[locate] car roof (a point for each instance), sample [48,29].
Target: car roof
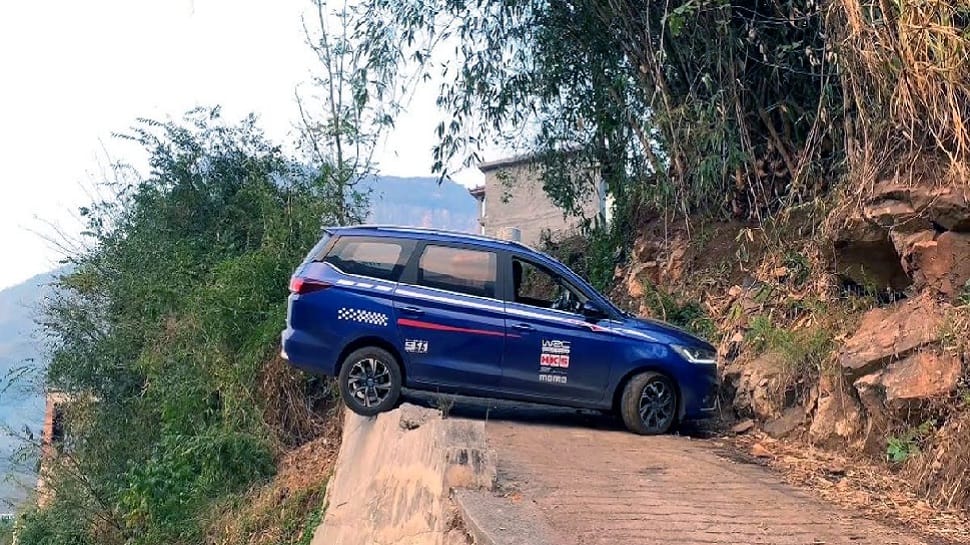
[422,233]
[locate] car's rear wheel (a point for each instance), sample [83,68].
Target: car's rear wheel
[649,404]
[370,381]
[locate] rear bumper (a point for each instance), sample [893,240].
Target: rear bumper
[305,352]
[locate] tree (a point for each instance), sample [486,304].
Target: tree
[356,103]
[164,329]
[716,106]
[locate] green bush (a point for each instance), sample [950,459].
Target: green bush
[162,331]
[801,351]
[6,532]
[900,448]
[689,315]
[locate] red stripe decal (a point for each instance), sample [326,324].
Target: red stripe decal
[441,327]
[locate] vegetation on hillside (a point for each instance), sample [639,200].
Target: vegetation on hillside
[719,107]
[781,117]
[164,333]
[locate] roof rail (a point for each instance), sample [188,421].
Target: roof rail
[432,231]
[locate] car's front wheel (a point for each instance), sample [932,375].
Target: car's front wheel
[649,404]
[370,381]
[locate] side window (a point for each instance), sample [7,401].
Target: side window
[376,258]
[472,272]
[536,286]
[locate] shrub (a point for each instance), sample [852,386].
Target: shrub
[802,351]
[162,334]
[900,448]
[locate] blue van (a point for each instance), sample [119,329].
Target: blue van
[384,308]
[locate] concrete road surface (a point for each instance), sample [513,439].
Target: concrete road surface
[595,483]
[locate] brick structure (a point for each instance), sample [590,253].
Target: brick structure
[513,198]
[53,437]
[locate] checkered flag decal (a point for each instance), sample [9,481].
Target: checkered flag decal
[362,316]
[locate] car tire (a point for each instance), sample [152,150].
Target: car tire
[649,404]
[370,381]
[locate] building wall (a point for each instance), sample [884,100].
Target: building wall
[53,422]
[514,198]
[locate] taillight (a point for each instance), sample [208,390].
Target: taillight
[306,285]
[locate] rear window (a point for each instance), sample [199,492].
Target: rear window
[317,251]
[456,269]
[375,258]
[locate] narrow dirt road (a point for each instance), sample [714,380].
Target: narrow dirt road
[597,484]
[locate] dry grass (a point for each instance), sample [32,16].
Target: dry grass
[906,74]
[288,508]
[295,408]
[307,424]
[942,471]
[858,483]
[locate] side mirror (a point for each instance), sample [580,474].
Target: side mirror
[593,312]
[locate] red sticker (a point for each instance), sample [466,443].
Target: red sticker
[554,360]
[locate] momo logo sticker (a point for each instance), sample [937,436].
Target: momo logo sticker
[415,346]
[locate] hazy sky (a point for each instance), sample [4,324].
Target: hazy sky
[71,73]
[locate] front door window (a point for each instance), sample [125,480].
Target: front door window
[537,287]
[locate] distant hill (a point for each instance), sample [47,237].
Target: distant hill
[419,202]
[21,403]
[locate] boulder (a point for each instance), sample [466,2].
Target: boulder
[838,416]
[947,206]
[890,205]
[873,399]
[892,332]
[743,426]
[894,239]
[922,375]
[757,384]
[942,265]
[905,243]
[855,227]
[784,425]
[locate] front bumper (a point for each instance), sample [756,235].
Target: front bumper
[700,391]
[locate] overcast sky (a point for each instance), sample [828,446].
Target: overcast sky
[71,73]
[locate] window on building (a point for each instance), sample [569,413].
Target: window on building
[536,286]
[384,259]
[472,272]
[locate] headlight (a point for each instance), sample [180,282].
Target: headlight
[696,354]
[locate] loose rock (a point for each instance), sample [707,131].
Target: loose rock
[942,265]
[838,418]
[921,375]
[784,425]
[743,426]
[888,333]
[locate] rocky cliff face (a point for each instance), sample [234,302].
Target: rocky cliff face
[842,327]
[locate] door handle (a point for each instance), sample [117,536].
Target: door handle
[523,327]
[412,310]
